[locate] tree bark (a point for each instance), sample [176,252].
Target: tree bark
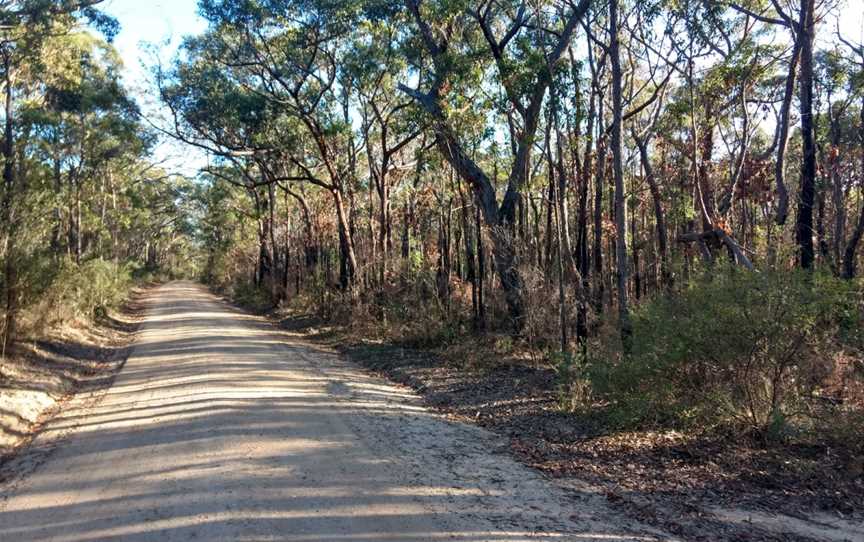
[599,187]
[8,213]
[783,134]
[623,274]
[501,220]
[659,215]
[804,220]
[347,258]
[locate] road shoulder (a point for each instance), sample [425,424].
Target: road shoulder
[70,370]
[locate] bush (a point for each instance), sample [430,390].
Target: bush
[574,386]
[736,350]
[88,290]
[253,297]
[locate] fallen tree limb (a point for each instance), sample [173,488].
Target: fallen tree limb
[717,237]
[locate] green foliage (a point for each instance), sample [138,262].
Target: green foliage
[843,430]
[86,291]
[252,297]
[734,350]
[574,385]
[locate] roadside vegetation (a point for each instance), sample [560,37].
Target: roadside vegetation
[85,210]
[601,187]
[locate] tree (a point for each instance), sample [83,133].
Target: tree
[621,257]
[857,83]
[27,24]
[525,81]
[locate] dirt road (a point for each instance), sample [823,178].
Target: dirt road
[222,427]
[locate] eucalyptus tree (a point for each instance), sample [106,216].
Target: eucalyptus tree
[616,143]
[655,128]
[221,111]
[856,88]
[832,101]
[801,22]
[713,61]
[374,63]
[524,43]
[89,127]
[288,53]
[806,34]
[25,25]
[88,154]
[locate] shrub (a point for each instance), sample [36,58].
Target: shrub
[574,386]
[735,349]
[88,290]
[253,297]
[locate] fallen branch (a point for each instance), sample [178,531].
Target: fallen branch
[717,237]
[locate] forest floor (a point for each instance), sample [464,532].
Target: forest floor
[40,376]
[697,488]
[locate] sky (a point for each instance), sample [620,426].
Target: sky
[164,23]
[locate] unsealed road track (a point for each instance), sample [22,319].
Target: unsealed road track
[223,427]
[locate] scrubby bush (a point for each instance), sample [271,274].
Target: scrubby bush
[734,350]
[542,319]
[574,385]
[253,297]
[75,291]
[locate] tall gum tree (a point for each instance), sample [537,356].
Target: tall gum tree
[849,267]
[505,29]
[293,63]
[24,27]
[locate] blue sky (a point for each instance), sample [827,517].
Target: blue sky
[151,21]
[162,23]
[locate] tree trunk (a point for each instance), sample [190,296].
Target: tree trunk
[273,249]
[566,244]
[783,134]
[56,229]
[599,187]
[385,240]
[347,258]
[8,215]
[659,215]
[79,234]
[837,196]
[804,220]
[706,155]
[481,270]
[562,307]
[623,273]
[443,273]
[470,257]
[583,264]
[551,198]
[501,222]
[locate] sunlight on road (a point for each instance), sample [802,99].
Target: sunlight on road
[222,427]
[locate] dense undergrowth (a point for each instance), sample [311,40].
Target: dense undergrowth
[76,325]
[777,355]
[64,292]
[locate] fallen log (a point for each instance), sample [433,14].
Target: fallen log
[717,238]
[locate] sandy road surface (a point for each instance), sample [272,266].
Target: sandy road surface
[222,427]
